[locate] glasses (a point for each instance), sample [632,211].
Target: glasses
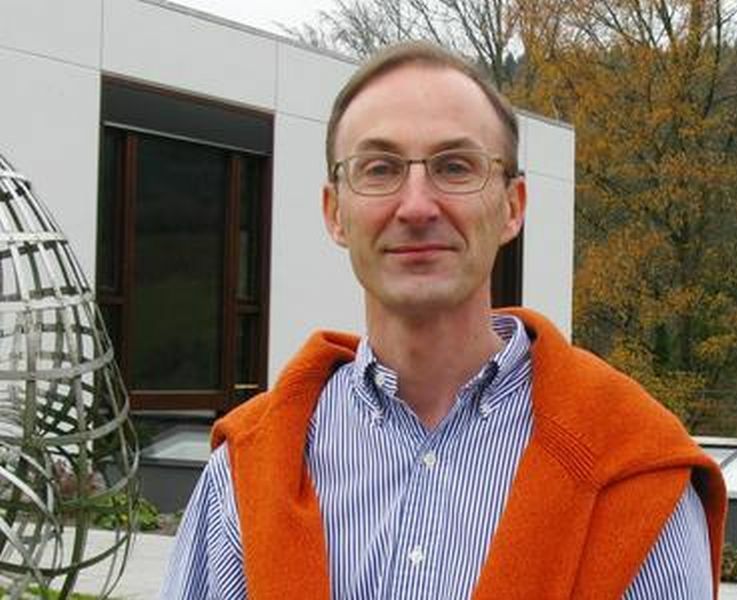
[452,171]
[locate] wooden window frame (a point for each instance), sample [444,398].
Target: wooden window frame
[230,392]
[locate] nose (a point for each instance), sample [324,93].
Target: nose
[417,197]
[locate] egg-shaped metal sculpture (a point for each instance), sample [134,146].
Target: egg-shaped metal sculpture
[68,451]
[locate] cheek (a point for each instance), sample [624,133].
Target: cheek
[484,234]
[495,217]
[364,224]
[480,225]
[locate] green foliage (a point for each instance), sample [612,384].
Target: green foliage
[113,512]
[729,563]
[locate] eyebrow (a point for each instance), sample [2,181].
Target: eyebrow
[460,142]
[371,144]
[385,145]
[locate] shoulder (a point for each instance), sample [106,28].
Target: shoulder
[240,420]
[609,410]
[577,394]
[304,376]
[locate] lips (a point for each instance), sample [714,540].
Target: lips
[418,249]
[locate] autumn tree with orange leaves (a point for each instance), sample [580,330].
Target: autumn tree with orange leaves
[651,89]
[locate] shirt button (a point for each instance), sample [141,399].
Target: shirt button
[430,459]
[379,379]
[416,555]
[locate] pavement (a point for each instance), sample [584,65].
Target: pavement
[147,563]
[143,573]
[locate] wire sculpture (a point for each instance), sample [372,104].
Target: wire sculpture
[68,451]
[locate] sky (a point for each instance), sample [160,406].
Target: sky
[262,13]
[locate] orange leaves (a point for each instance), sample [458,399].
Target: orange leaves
[717,350]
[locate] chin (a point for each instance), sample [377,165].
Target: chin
[422,300]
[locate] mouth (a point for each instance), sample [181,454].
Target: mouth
[418,249]
[419,254]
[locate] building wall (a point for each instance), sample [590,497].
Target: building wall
[55,52]
[49,108]
[311,281]
[547,153]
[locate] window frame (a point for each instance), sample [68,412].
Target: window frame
[231,392]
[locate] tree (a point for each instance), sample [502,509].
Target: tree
[481,29]
[652,92]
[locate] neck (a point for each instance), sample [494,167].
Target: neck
[433,356]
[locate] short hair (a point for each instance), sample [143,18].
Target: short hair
[431,55]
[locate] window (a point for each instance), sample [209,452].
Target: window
[183,244]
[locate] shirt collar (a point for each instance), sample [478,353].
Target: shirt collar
[376,384]
[512,362]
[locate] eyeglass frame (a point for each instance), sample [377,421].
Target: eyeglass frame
[508,173]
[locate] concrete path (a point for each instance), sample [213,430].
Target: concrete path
[143,574]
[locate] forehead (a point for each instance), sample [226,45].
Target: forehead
[417,108]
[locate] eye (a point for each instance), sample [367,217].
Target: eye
[454,166]
[376,168]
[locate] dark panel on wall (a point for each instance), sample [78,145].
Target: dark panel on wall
[506,278]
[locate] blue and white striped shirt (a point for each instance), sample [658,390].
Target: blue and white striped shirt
[409,512]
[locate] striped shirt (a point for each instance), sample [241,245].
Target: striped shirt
[409,512]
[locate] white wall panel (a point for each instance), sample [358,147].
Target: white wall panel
[547,270]
[308,82]
[67,30]
[174,49]
[549,149]
[522,149]
[50,124]
[312,284]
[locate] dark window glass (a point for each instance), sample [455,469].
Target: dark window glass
[107,229]
[246,349]
[111,318]
[506,277]
[177,291]
[251,194]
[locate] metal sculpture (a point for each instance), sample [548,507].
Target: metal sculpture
[68,451]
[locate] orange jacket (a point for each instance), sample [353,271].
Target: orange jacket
[604,469]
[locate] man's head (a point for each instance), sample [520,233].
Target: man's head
[421,53]
[422,187]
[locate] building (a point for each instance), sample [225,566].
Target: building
[183,156]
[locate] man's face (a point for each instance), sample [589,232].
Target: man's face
[419,250]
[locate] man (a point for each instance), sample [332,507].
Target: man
[448,453]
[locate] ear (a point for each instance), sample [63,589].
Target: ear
[516,199]
[331,214]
